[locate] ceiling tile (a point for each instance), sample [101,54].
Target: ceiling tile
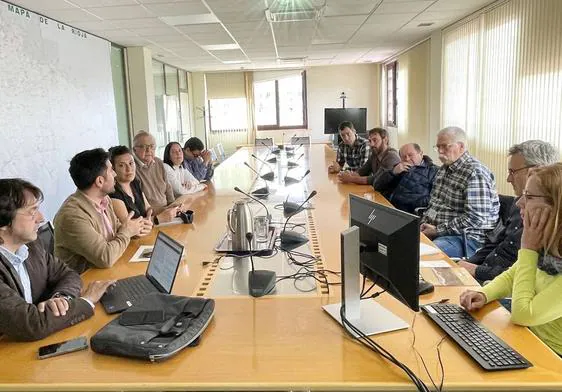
[403,7]
[71,15]
[138,23]
[121,12]
[38,6]
[448,5]
[101,3]
[350,7]
[208,34]
[391,19]
[174,9]
[229,55]
[153,31]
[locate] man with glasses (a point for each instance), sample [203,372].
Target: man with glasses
[502,244]
[198,160]
[464,204]
[39,294]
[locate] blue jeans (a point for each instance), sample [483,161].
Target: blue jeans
[453,245]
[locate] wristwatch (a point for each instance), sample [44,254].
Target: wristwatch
[58,294]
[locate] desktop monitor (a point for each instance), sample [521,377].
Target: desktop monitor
[333,117]
[389,248]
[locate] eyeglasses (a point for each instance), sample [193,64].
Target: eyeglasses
[440,147]
[146,146]
[31,213]
[530,196]
[511,172]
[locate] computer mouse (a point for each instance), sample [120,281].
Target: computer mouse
[425,287]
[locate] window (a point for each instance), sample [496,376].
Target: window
[281,103]
[391,103]
[227,114]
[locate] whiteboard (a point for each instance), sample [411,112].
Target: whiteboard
[56,99]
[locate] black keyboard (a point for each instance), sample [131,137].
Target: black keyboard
[481,344]
[131,288]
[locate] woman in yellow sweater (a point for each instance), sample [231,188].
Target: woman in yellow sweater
[535,281]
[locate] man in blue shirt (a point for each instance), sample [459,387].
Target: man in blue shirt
[198,160]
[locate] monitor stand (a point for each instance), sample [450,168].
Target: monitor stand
[335,141]
[367,315]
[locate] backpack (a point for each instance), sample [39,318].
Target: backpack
[185,319]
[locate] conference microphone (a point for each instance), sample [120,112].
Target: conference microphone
[294,163]
[290,148]
[291,237]
[271,150]
[292,153]
[292,180]
[264,162]
[267,176]
[255,199]
[260,282]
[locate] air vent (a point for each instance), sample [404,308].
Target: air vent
[291,59]
[293,15]
[427,24]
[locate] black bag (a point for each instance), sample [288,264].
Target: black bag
[185,319]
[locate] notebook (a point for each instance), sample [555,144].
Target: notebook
[160,275]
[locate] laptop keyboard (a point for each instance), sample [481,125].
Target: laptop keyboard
[482,345]
[130,289]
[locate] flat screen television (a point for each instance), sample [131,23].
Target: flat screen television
[333,117]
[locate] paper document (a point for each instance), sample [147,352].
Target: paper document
[142,254]
[428,249]
[434,264]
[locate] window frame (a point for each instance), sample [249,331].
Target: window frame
[391,96]
[273,127]
[210,117]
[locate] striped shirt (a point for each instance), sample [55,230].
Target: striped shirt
[463,199]
[355,155]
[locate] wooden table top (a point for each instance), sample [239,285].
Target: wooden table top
[276,343]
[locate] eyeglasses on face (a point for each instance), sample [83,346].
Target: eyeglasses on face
[31,213]
[511,172]
[530,196]
[146,146]
[442,147]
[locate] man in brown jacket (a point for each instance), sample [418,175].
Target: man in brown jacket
[87,232]
[39,294]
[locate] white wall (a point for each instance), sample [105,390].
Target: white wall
[56,99]
[361,84]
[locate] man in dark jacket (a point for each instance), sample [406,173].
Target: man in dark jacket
[408,185]
[382,158]
[39,294]
[502,244]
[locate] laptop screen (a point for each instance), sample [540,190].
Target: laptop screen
[164,262]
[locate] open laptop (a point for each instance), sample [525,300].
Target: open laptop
[159,277]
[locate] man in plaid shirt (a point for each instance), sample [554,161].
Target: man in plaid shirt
[353,150]
[464,203]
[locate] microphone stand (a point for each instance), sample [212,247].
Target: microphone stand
[290,238]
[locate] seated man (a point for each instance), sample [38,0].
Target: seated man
[87,232]
[39,294]
[408,185]
[353,150]
[502,244]
[464,203]
[198,160]
[381,158]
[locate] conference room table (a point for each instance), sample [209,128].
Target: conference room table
[278,342]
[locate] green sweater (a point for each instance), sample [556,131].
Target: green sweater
[535,297]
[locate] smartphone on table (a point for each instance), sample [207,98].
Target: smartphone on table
[68,346]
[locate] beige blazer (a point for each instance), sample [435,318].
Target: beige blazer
[79,239]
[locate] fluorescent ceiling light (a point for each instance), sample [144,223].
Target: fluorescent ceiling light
[221,47]
[296,15]
[181,20]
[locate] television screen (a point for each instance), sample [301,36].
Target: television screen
[333,117]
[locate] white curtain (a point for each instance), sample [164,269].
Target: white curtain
[502,79]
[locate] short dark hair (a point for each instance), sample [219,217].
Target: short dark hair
[12,198]
[194,144]
[88,165]
[117,151]
[417,147]
[346,124]
[167,159]
[383,133]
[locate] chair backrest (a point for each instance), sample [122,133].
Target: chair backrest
[46,235]
[300,140]
[220,152]
[268,141]
[506,202]
[214,155]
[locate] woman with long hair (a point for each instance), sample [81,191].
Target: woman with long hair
[181,179]
[534,282]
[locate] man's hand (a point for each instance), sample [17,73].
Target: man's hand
[347,177]
[168,214]
[429,230]
[146,224]
[96,289]
[471,268]
[334,168]
[133,226]
[206,155]
[58,306]
[401,167]
[472,300]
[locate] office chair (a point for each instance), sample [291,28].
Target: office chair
[296,140]
[268,141]
[46,235]
[221,155]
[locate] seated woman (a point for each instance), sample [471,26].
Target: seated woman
[181,179]
[128,195]
[534,282]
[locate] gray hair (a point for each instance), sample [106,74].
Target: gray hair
[536,152]
[458,135]
[142,134]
